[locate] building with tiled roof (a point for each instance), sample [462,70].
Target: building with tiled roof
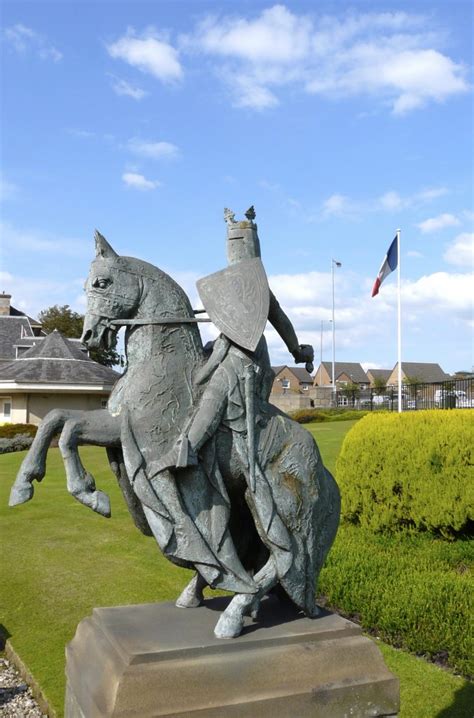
[344,373]
[421,372]
[381,375]
[291,380]
[41,372]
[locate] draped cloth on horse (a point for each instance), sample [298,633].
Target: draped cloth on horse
[291,483]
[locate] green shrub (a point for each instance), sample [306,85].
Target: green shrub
[411,470]
[19,442]
[413,591]
[7,431]
[306,416]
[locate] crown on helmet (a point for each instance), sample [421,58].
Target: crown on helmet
[242,237]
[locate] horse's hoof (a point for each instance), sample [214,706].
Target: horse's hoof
[102,504]
[189,599]
[20,494]
[228,627]
[188,602]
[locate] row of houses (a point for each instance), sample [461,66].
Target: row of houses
[40,372]
[290,379]
[294,388]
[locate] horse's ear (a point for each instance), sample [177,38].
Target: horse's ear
[103,248]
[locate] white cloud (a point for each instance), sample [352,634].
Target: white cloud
[23,39]
[154,150]
[124,88]
[392,56]
[391,201]
[365,326]
[434,224]
[31,240]
[461,251]
[441,291]
[150,53]
[414,253]
[33,294]
[138,181]
[337,204]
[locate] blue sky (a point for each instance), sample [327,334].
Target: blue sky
[339,121]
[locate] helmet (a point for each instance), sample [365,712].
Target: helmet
[242,237]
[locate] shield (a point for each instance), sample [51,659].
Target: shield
[237,300]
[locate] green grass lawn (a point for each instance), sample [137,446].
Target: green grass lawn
[59,560]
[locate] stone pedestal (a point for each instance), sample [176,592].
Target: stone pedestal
[158,660]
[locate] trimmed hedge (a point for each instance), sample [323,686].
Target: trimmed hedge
[306,416]
[19,442]
[8,431]
[414,591]
[409,470]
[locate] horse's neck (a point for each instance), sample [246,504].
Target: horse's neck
[148,340]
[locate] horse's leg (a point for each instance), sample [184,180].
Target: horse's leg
[34,463]
[192,596]
[231,622]
[98,428]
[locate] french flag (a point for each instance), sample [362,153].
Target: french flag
[388,265]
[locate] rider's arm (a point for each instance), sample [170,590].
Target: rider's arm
[284,327]
[209,414]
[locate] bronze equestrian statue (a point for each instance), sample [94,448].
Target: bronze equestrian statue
[226,483]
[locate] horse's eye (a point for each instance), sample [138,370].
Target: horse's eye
[101,283]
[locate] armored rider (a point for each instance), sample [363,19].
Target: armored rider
[239,302]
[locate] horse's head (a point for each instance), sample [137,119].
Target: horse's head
[113,293]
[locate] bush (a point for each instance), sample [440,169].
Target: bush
[413,591]
[306,416]
[410,470]
[19,442]
[7,431]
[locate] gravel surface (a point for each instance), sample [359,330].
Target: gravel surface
[16,699]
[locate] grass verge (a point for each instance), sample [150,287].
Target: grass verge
[59,560]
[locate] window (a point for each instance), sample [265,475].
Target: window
[305,387]
[7,410]
[285,383]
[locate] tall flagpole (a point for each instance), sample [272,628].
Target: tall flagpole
[399,330]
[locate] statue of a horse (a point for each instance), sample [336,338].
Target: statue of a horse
[206,517]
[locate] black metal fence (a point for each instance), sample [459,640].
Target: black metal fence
[453,394]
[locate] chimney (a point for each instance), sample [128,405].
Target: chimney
[5,304]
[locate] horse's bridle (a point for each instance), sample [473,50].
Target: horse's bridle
[167,320]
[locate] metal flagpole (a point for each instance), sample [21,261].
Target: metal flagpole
[399,330]
[334,262]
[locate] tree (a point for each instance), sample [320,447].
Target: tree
[380,386]
[69,323]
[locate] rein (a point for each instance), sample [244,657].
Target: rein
[172,320]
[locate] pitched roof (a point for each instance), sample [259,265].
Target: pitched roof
[18,313]
[11,330]
[350,369]
[380,373]
[301,374]
[424,372]
[56,360]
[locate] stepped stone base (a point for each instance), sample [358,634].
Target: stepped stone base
[157,660]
